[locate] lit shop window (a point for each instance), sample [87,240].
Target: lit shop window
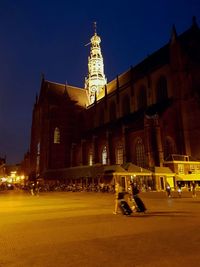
[198,168]
[180,169]
[56,136]
[192,168]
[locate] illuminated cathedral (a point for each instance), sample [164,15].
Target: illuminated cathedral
[142,125]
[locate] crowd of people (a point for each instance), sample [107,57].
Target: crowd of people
[191,188]
[34,187]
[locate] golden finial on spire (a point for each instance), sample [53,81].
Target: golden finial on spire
[95,27]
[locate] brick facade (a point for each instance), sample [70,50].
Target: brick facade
[142,116]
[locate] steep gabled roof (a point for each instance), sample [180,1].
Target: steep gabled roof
[132,168]
[56,90]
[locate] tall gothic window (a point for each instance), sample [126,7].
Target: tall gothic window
[119,155]
[125,105]
[104,155]
[142,98]
[140,153]
[56,136]
[161,89]
[90,158]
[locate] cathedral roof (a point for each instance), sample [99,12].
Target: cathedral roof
[152,62]
[159,58]
[57,90]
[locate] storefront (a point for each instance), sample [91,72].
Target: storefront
[186,180]
[141,176]
[164,176]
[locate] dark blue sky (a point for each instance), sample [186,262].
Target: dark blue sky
[49,36]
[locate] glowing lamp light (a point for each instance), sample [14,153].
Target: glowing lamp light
[13,174]
[9,180]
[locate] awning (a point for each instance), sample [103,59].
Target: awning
[135,170]
[164,171]
[94,171]
[188,177]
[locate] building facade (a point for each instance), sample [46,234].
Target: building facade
[142,117]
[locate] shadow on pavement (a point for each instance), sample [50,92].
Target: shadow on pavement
[163,213]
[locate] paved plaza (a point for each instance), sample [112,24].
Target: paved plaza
[79,229]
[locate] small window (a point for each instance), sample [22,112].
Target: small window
[197,168]
[56,136]
[180,169]
[192,168]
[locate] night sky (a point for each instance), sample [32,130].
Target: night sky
[49,37]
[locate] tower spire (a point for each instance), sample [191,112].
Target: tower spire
[95,27]
[173,34]
[95,80]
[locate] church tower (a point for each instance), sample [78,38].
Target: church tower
[95,80]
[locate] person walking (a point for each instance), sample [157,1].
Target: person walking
[168,190]
[193,189]
[140,207]
[37,189]
[32,189]
[179,189]
[118,197]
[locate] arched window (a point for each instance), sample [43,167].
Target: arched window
[56,136]
[169,147]
[104,155]
[90,158]
[142,98]
[119,155]
[161,89]
[140,153]
[112,111]
[125,105]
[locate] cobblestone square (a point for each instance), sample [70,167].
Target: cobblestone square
[79,229]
